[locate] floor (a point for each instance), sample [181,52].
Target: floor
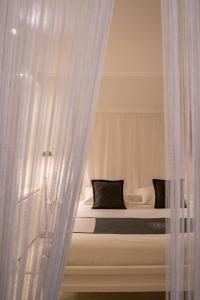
[112,296]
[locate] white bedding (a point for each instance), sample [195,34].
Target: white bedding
[138,211]
[116,249]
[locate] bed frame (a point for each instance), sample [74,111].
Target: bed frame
[114,278]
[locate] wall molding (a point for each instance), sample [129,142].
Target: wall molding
[112,74]
[131,112]
[132,74]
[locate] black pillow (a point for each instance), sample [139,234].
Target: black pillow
[160,190]
[108,194]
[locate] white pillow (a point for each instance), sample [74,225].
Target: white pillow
[88,201]
[88,192]
[148,194]
[132,199]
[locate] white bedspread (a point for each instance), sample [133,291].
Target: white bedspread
[116,249]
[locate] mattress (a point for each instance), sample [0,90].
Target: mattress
[89,249]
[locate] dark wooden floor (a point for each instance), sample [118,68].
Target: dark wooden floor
[113,296]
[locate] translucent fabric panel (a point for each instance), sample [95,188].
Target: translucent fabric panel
[181,48]
[51,57]
[123,145]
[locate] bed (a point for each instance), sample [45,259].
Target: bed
[116,262]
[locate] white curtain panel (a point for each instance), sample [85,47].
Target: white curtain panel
[51,57]
[181,45]
[127,146]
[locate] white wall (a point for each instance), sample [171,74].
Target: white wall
[132,75]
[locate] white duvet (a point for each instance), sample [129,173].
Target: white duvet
[89,249]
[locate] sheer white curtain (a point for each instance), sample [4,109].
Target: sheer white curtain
[181,37]
[50,57]
[127,146]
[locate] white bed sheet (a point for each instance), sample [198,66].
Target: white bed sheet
[137,211]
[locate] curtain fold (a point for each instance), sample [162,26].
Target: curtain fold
[127,146]
[51,57]
[181,48]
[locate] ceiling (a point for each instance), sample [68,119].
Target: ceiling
[132,75]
